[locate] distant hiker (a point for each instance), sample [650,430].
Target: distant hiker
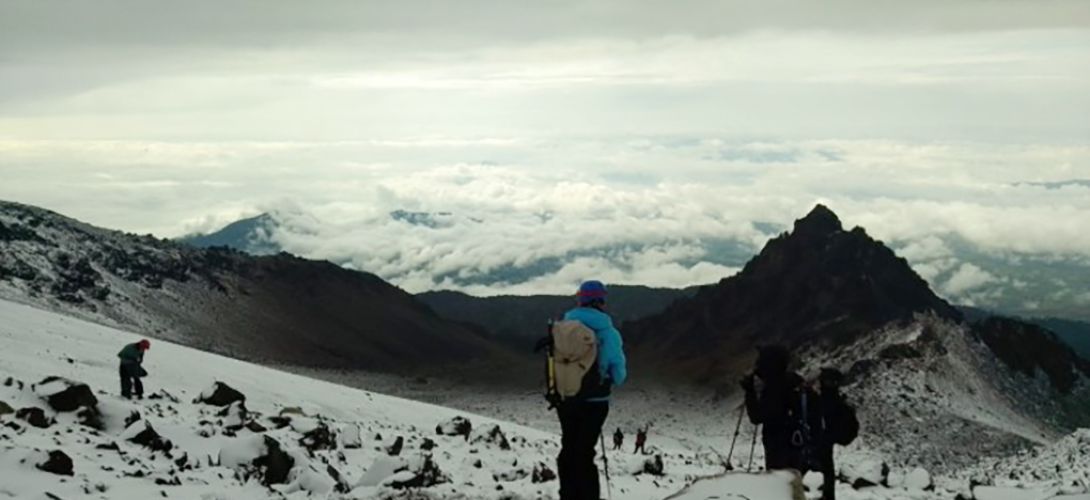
[837,425]
[618,439]
[771,392]
[586,361]
[641,440]
[131,371]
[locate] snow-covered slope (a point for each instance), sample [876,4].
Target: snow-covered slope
[213,447]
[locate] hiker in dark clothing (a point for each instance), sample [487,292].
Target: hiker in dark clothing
[801,425]
[837,425]
[131,372]
[641,440]
[618,439]
[582,416]
[771,405]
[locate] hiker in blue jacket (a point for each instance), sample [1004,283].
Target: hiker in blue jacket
[582,417]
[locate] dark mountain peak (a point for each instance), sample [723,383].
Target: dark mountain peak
[817,285]
[821,221]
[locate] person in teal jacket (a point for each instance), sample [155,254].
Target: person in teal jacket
[131,371]
[582,416]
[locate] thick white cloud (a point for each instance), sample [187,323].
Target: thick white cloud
[966,278]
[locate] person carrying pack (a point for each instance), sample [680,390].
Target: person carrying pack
[618,439]
[585,361]
[771,396]
[130,369]
[837,425]
[801,425]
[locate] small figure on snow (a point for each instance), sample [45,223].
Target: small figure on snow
[131,371]
[618,439]
[641,440]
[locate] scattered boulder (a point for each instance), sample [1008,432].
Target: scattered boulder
[234,415]
[90,417]
[510,475]
[427,444]
[424,474]
[34,416]
[653,466]
[133,418]
[219,394]
[542,474]
[342,485]
[494,437]
[395,449]
[919,479]
[457,426]
[319,438]
[65,395]
[255,427]
[162,394]
[350,437]
[147,437]
[276,463]
[292,410]
[6,408]
[382,469]
[865,474]
[57,463]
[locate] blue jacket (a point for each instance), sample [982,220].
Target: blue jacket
[611,360]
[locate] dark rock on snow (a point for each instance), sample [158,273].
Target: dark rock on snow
[220,394]
[152,440]
[542,474]
[653,466]
[34,416]
[395,449]
[424,476]
[319,438]
[5,408]
[493,436]
[457,426]
[58,463]
[275,462]
[75,395]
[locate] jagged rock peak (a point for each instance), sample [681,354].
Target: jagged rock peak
[821,221]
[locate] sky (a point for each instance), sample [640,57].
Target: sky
[663,121]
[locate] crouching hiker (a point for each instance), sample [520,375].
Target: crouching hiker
[131,371]
[585,361]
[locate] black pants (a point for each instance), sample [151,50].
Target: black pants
[580,427]
[130,380]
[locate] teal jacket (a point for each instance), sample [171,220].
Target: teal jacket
[131,354]
[612,365]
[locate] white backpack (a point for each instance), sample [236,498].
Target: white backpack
[574,352]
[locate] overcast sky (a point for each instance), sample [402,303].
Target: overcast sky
[911,118]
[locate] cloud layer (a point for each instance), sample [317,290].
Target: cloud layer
[650,142]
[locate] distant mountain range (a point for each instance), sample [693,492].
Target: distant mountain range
[520,320]
[1014,283]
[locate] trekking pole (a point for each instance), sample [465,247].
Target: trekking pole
[605,461]
[752,447]
[737,431]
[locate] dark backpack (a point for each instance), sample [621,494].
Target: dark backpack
[841,424]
